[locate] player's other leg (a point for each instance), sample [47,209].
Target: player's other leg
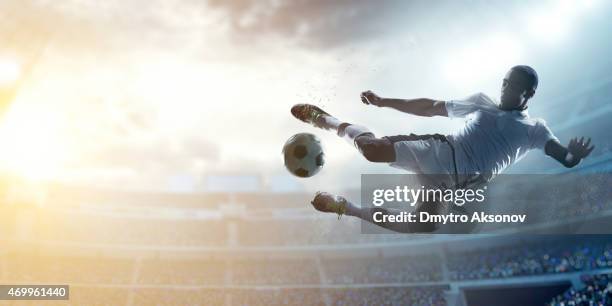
[372,148]
[327,202]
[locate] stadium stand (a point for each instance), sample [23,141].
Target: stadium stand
[541,257]
[596,290]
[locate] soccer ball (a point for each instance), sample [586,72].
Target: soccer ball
[304,155]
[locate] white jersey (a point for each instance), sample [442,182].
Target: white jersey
[492,138]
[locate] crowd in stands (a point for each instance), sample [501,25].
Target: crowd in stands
[139,226]
[178,296]
[93,229]
[597,291]
[317,231]
[383,296]
[218,271]
[401,269]
[120,230]
[24,268]
[276,297]
[162,281]
[95,296]
[523,259]
[392,296]
[516,259]
[182,271]
[274,271]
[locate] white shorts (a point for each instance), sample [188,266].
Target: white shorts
[423,155]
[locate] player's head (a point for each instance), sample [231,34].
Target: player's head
[518,87]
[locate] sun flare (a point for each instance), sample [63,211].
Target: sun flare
[31,145]
[10,71]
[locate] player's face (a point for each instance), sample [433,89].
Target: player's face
[514,93]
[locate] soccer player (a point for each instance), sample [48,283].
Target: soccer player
[497,135]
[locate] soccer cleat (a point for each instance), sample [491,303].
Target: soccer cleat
[327,202]
[310,114]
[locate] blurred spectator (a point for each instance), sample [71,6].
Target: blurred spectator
[403,269]
[597,290]
[530,259]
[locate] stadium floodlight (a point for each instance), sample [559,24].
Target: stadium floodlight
[482,59]
[552,23]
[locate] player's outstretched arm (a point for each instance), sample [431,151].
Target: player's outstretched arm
[420,107]
[576,150]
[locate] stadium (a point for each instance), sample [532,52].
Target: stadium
[136,248]
[138,168]
[169,249]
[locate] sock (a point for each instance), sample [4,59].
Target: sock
[332,122]
[329,122]
[350,132]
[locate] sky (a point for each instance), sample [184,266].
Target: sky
[162,95]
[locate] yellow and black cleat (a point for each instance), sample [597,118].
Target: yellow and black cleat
[327,202]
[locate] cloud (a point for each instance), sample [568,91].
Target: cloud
[85,28]
[319,23]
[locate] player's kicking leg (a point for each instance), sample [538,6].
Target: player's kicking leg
[372,148]
[327,202]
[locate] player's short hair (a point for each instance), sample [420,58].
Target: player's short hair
[531,77]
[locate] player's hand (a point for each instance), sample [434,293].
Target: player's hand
[580,148]
[368,97]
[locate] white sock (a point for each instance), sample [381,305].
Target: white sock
[352,131]
[331,122]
